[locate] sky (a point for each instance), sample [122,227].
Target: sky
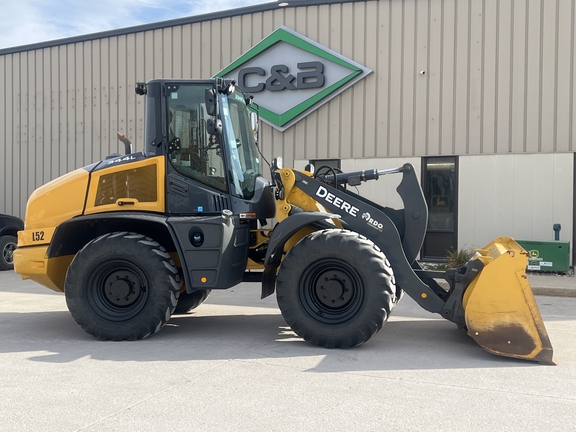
[32,21]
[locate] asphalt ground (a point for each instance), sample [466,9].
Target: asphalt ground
[234,365]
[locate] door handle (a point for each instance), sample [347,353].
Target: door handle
[123,202]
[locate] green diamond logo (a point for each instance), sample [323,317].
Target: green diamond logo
[290,76]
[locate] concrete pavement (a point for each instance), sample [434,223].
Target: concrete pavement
[233,364]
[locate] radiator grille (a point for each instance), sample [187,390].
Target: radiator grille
[220,202]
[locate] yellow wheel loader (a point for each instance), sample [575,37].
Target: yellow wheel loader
[134,238]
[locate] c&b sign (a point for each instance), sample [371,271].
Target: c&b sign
[291,76]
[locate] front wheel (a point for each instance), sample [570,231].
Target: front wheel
[335,288]
[122,286]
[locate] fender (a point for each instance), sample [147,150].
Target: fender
[71,235]
[281,234]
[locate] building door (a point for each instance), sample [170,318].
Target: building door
[440,185]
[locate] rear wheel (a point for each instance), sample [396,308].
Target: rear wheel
[7,247]
[122,286]
[187,302]
[335,288]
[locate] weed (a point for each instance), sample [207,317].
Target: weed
[457,258]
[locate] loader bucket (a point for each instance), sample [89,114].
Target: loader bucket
[501,313]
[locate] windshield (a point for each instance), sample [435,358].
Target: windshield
[239,137]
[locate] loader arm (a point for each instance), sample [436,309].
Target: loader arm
[412,220]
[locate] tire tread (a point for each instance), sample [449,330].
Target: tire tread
[376,273]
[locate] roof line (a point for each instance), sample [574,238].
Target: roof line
[272,5]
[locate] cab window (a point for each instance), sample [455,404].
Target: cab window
[191,150]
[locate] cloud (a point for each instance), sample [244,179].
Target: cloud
[44,20]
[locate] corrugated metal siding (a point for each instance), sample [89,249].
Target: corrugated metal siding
[499,79]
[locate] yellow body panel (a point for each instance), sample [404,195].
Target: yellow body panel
[31,263]
[31,237]
[252,265]
[49,206]
[500,310]
[138,186]
[55,202]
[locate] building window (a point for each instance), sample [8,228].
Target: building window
[325,166]
[440,185]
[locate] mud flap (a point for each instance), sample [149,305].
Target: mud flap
[501,312]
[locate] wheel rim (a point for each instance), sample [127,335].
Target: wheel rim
[117,290]
[331,291]
[8,252]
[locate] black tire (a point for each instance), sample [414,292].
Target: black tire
[122,286]
[8,245]
[335,288]
[187,302]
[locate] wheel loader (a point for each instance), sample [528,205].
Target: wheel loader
[135,238]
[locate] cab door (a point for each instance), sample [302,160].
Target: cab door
[196,180]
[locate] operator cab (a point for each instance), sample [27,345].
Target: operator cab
[205,131]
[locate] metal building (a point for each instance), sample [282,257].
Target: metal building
[477,94]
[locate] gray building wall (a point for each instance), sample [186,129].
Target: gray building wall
[499,80]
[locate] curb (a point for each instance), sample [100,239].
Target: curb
[554,292]
[537,291]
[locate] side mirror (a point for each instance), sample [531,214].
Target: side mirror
[214,127]
[277,163]
[211,100]
[254,122]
